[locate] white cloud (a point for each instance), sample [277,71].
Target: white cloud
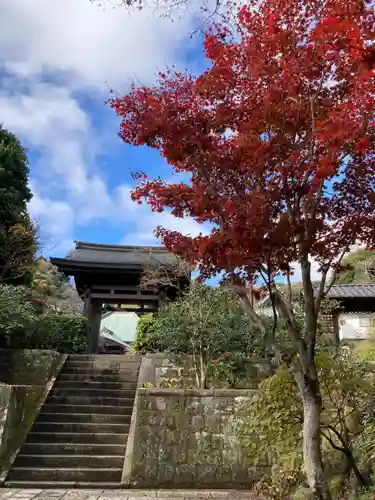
[85,45]
[55,220]
[144,224]
[52,52]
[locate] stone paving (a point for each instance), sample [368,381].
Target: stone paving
[13,494]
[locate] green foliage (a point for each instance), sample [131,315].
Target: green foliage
[17,314]
[237,370]
[355,271]
[328,306]
[272,432]
[21,327]
[17,234]
[65,333]
[365,494]
[146,338]
[205,323]
[17,250]
[366,350]
[14,172]
[47,280]
[55,289]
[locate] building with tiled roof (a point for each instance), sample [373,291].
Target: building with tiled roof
[354,318]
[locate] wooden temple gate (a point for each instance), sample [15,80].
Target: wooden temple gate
[108,276]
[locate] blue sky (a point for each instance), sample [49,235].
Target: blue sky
[58,59]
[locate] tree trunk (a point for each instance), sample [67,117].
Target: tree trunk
[312,456]
[359,478]
[202,371]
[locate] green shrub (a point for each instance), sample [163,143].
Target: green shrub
[206,323]
[17,316]
[146,336]
[23,325]
[272,434]
[237,370]
[65,333]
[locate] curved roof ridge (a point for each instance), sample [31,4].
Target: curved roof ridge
[83,245]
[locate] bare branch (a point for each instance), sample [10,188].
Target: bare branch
[335,269]
[158,275]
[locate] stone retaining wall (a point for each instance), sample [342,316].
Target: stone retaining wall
[187,438]
[167,372]
[26,378]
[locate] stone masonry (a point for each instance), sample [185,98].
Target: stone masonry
[8,494]
[79,437]
[188,439]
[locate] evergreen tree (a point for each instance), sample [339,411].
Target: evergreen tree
[17,234]
[14,172]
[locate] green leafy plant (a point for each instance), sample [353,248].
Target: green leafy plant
[146,338]
[204,323]
[17,316]
[272,433]
[65,333]
[236,370]
[24,326]
[17,233]
[148,385]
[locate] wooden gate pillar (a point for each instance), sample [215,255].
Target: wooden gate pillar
[93,326]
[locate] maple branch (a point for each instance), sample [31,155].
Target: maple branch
[310,314]
[335,270]
[159,274]
[243,292]
[333,444]
[289,281]
[320,293]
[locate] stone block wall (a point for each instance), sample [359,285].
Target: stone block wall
[168,372]
[27,367]
[26,378]
[188,438]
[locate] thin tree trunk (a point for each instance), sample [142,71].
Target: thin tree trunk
[344,480]
[312,455]
[360,479]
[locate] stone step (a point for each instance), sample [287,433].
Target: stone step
[73,448]
[95,377]
[131,366]
[90,400]
[58,461]
[79,427]
[75,437]
[92,393]
[105,357]
[90,384]
[60,485]
[66,474]
[95,418]
[100,372]
[88,408]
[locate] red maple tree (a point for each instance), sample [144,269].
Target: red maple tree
[278,137]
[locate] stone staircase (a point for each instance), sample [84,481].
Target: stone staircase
[79,437]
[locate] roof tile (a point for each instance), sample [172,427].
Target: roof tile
[352,291]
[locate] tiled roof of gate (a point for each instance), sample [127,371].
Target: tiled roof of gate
[352,291]
[122,255]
